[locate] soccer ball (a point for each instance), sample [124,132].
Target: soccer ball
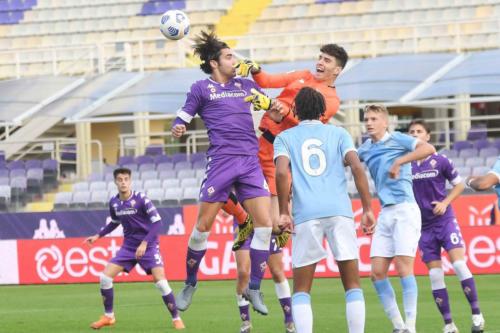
[174,24]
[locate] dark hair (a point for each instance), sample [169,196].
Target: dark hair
[422,123]
[336,51]
[309,104]
[119,171]
[208,47]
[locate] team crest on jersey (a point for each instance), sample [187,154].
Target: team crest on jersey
[132,202]
[238,85]
[433,163]
[210,191]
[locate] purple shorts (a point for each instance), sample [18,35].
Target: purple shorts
[442,234]
[273,248]
[243,173]
[126,258]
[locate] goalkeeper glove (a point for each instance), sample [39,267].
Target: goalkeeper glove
[259,100]
[246,66]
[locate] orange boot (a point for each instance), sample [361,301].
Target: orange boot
[103,321]
[178,324]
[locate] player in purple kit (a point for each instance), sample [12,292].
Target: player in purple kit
[222,101]
[440,228]
[141,224]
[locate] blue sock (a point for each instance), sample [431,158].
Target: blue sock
[410,295]
[388,299]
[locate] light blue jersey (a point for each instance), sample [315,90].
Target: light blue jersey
[496,170]
[316,153]
[379,157]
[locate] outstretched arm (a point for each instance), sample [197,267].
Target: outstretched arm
[482,183]
[422,150]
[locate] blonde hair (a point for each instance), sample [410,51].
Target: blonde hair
[377,108]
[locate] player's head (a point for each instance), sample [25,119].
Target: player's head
[309,104]
[376,118]
[216,56]
[331,61]
[420,129]
[123,179]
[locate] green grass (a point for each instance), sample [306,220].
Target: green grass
[138,307]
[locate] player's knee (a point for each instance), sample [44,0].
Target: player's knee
[243,273]
[163,287]
[378,275]
[198,240]
[277,273]
[204,224]
[463,272]
[436,275]
[105,281]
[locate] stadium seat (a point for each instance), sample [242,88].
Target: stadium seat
[147,167]
[459,145]
[464,171]
[98,186]
[182,165]
[80,186]
[155,195]
[200,164]
[474,161]
[131,166]
[489,151]
[468,152]
[186,174]
[5,195]
[99,199]
[449,153]
[35,181]
[80,200]
[190,196]
[152,183]
[480,170]
[490,161]
[458,161]
[19,189]
[482,143]
[166,174]
[137,185]
[151,174]
[165,165]
[62,200]
[189,182]
[171,196]
[122,160]
[159,159]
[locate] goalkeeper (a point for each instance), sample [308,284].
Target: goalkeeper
[331,61]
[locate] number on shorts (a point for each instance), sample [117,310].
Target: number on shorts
[311,147]
[454,238]
[158,259]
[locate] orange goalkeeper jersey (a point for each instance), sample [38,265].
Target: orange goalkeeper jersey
[292,82]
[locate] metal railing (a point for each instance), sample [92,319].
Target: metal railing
[133,55]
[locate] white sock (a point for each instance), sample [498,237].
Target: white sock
[463,272]
[355,310]
[198,240]
[163,287]
[261,239]
[282,289]
[302,312]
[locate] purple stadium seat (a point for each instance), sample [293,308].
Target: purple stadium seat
[179,157]
[197,157]
[480,170]
[186,173]
[152,183]
[464,171]
[4,173]
[19,164]
[154,150]
[98,186]
[458,161]
[490,161]
[166,174]
[449,153]
[199,164]
[149,175]
[125,160]
[17,173]
[95,176]
[143,159]
[474,161]
[489,151]
[182,165]
[131,166]
[68,152]
[477,132]
[482,143]
[49,165]
[147,167]
[162,158]
[468,152]
[459,145]
[165,166]
[33,164]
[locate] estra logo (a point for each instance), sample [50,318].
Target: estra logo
[480,216]
[66,261]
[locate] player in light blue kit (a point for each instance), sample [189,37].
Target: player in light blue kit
[315,154]
[396,236]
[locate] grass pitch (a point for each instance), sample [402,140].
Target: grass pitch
[139,308]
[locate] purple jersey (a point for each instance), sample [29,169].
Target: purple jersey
[136,215]
[429,184]
[226,115]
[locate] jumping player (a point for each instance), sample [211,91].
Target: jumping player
[396,236]
[315,154]
[220,101]
[141,224]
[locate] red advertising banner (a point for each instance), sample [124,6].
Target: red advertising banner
[71,261]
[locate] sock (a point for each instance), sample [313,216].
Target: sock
[107,293]
[355,310]
[388,299]
[440,294]
[468,285]
[197,247]
[259,253]
[283,294]
[410,296]
[302,312]
[469,288]
[243,305]
[168,297]
[233,207]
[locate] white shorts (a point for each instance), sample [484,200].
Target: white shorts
[397,231]
[307,244]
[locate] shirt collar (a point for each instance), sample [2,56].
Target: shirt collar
[310,122]
[386,137]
